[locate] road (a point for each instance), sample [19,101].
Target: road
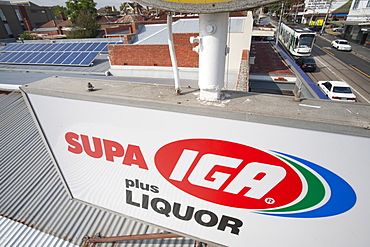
[342,66]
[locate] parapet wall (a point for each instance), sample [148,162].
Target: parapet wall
[156,55]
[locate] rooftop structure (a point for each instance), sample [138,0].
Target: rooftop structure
[39,201]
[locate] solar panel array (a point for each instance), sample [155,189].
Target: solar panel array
[76,54]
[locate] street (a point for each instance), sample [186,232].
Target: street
[342,66]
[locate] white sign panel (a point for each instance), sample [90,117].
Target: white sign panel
[229,182]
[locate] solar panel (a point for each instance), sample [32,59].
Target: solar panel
[61,58]
[49,47]
[89,58]
[85,47]
[100,46]
[5,57]
[53,56]
[70,58]
[29,58]
[64,47]
[10,47]
[37,57]
[69,46]
[43,59]
[69,53]
[14,57]
[81,56]
[77,47]
[92,47]
[22,57]
[37,47]
[55,47]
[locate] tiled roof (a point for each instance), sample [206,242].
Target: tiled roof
[55,23]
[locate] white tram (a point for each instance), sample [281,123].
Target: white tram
[297,41]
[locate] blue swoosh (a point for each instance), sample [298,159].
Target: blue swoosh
[342,198]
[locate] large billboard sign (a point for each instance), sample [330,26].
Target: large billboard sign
[221,181]
[205,6]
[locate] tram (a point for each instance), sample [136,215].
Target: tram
[297,41]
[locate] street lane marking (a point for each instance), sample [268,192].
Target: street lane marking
[354,67]
[327,51]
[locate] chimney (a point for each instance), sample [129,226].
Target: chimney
[60,31]
[61,14]
[28,24]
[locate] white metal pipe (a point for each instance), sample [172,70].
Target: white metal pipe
[212,54]
[172,53]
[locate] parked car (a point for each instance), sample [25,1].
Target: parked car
[307,64]
[341,45]
[269,38]
[338,29]
[315,28]
[337,90]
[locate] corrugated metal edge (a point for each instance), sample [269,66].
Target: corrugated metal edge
[16,234]
[32,193]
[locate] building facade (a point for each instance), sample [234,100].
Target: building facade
[11,21]
[315,11]
[358,22]
[17,17]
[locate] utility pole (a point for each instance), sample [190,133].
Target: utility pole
[279,24]
[326,18]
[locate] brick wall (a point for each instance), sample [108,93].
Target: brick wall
[109,30]
[242,83]
[156,55]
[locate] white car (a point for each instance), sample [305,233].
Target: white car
[337,90]
[338,29]
[341,45]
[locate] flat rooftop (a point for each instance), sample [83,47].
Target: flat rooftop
[267,60]
[312,114]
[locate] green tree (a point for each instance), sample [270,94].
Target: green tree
[26,36]
[83,16]
[57,9]
[85,26]
[77,7]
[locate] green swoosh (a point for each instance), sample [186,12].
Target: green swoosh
[315,191]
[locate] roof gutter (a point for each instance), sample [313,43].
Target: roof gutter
[89,240]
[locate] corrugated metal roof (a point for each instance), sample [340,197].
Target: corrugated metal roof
[32,194]
[157,34]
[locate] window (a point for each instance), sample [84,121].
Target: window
[18,13]
[8,30]
[327,85]
[2,16]
[342,90]
[355,5]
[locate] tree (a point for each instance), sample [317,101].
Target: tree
[76,7]
[85,26]
[57,9]
[82,14]
[26,36]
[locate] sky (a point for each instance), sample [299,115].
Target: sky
[99,3]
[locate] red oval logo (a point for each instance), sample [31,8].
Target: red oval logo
[228,173]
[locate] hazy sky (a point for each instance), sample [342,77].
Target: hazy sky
[99,3]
